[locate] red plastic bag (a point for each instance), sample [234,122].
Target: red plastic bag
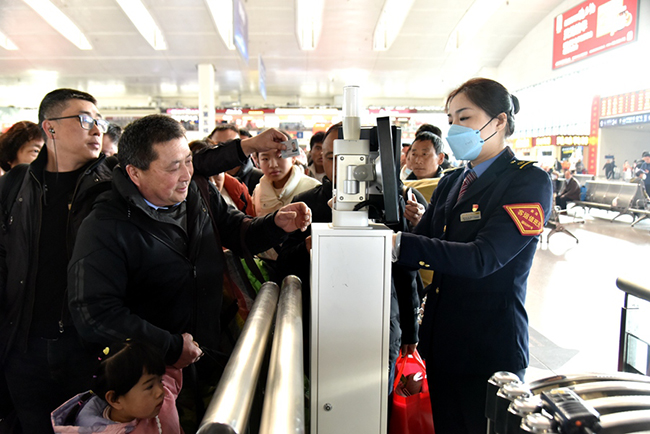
[411,406]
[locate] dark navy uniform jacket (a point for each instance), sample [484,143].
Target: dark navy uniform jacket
[475,321]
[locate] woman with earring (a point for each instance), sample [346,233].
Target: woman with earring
[479,236]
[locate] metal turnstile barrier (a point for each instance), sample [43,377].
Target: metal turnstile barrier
[283,411]
[587,403]
[616,403]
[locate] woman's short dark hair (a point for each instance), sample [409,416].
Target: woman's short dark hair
[491,97]
[14,138]
[124,366]
[138,138]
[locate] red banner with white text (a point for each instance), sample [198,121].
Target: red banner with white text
[592,27]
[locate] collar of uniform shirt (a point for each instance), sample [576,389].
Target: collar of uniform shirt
[156,207]
[481,168]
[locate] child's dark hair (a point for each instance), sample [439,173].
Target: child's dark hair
[124,365]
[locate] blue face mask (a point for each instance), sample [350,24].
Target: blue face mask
[466,143]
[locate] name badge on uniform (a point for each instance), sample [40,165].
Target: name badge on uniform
[470,216]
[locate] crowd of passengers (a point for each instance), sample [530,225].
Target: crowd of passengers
[112,258]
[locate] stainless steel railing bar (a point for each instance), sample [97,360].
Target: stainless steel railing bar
[231,403]
[633,288]
[284,407]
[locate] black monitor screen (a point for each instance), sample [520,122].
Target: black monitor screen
[383,193]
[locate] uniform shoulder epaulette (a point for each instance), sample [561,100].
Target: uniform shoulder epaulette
[523,163]
[452,169]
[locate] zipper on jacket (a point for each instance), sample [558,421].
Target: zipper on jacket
[37,241]
[86,173]
[67,246]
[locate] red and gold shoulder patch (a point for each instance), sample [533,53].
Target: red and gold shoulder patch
[529,217]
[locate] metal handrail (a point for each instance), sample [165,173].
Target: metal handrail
[636,290]
[231,403]
[284,407]
[633,288]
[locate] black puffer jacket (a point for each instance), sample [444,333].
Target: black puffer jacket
[19,241]
[135,273]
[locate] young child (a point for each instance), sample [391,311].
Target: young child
[133,393]
[282,180]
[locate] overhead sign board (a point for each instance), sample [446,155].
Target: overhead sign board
[593,27]
[627,103]
[625,120]
[240,21]
[262,76]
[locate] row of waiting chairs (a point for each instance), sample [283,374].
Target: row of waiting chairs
[623,197]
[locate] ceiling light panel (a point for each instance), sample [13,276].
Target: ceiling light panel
[309,22]
[144,22]
[390,23]
[473,20]
[60,22]
[6,43]
[222,15]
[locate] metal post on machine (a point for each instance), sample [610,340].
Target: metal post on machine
[351,157]
[350,296]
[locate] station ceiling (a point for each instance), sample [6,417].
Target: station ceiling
[416,67]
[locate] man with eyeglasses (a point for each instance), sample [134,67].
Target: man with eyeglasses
[40,350]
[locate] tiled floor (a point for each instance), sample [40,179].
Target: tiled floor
[573,303]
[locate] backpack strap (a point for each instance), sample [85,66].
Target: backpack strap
[13,180]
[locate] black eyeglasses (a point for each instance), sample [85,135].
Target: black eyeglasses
[87,122]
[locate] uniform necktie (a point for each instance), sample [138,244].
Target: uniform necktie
[469,178]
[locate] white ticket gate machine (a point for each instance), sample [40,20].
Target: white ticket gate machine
[350,298]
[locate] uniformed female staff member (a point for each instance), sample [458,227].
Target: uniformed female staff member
[479,235]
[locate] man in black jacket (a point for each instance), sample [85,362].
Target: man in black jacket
[39,346]
[147,264]
[570,192]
